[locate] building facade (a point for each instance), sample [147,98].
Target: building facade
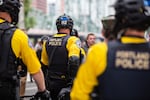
[87,14]
[40,5]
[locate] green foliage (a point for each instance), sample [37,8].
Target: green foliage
[29,20]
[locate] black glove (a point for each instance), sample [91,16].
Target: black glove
[64,94]
[45,95]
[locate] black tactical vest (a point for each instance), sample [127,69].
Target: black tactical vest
[127,75]
[8,68]
[58,57]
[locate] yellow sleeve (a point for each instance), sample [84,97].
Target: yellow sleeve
[22,48]
[44,56]
[93,66]
[73,46]
[83,52]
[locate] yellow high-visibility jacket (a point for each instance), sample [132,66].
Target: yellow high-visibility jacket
[94,65]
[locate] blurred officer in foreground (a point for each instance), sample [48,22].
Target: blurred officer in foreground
[108,24]
[61,57]
[14,44]
[121,68]
[82,52]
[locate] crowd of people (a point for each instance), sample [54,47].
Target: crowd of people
[63,68]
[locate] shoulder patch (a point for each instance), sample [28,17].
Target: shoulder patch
[78,43]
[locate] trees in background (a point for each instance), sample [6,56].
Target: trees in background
[29,21]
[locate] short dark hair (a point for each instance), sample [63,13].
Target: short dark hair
[90,35]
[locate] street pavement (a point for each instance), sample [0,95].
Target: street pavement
[31,88]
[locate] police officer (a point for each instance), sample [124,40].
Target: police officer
[121,68]
[14,44]
[82,52]
[61,57]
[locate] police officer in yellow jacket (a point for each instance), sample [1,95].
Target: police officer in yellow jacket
[120,69]
[60,54]
[13,45]
[82,52]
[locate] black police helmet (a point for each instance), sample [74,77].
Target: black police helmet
[12,7]
[64,21]
[74,33]
[132,13]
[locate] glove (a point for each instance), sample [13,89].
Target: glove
[64,94]
[45,95]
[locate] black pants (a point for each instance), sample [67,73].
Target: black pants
[7,93]
[54,86]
